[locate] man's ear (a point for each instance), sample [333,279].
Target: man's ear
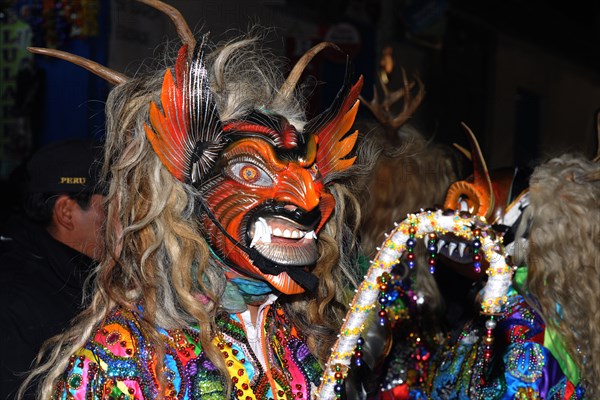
[62,217]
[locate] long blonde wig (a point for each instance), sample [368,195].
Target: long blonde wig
[564,258]
[156,255]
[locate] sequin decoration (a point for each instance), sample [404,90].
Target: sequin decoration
[525,362]
[118,362]
[521,367]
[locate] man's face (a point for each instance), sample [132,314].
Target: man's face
[88,227]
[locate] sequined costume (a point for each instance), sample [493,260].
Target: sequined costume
[117,361]
[528,361]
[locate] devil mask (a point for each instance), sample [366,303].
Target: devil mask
[262,182]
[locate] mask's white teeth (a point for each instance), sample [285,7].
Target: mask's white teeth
[451,248]
[264,232]
[261,232]
[310,235]
[461,248]
[440,244]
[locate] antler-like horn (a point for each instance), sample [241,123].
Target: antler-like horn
[183,30]
[381,109]
[290,84]
[103,72]
[481,175]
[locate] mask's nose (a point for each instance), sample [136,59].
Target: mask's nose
[298,187]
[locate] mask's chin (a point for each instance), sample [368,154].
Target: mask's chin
[281,281]
[284,283]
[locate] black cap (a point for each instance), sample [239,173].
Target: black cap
[67,166]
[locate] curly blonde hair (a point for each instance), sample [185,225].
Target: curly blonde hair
[563,258]
[156,255]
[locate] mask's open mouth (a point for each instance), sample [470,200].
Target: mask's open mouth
[284,235]
[455,248]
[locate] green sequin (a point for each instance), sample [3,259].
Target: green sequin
[75,381]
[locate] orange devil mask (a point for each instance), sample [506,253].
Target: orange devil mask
[498,196]
[483,193]
[262,182]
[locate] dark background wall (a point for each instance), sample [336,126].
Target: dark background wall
[525,76]
[43,99]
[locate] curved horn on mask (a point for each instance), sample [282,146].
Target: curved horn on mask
[103,72]
[183,29]
[114,77]
[481,175]
[290,84]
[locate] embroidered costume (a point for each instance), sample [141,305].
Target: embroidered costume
[529,361]
[538,347]
[118,362]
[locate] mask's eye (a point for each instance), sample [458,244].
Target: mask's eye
[249,174]
[314,171]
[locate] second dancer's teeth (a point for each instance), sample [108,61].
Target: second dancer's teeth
[440,245]
[461,248]
[451,248]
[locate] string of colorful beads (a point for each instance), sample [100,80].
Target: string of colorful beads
[410,246]
[339,378]
[488,341]
[476,246]
[370,290]
[431,247]
[382,282]
[358,352]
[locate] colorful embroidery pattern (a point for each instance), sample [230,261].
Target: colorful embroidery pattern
[117,363]
[522,368]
